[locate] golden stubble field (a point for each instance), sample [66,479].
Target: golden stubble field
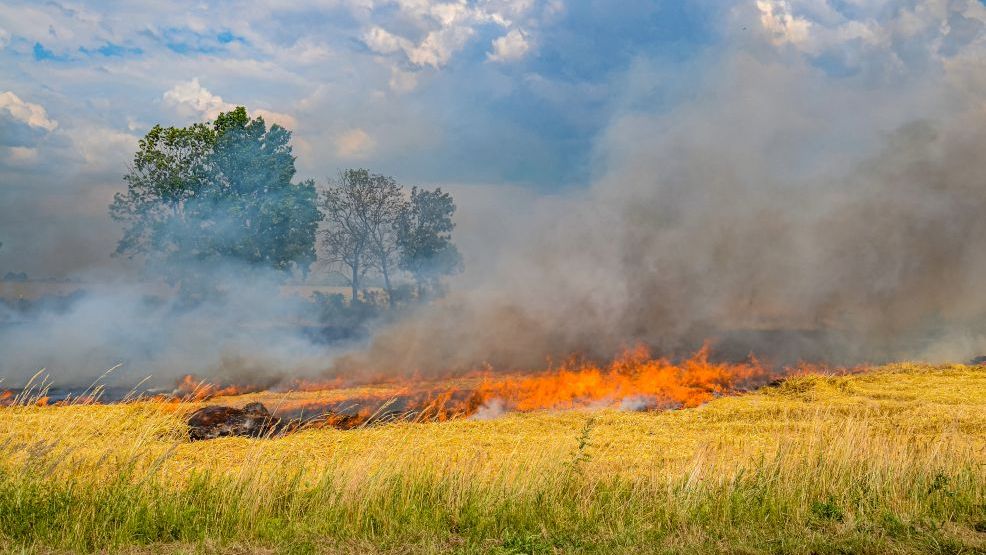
[825,440]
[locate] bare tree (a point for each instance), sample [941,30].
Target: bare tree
[362,211]
[384,208]
[346,240]
[424,238]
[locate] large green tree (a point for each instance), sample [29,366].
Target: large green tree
[207,193]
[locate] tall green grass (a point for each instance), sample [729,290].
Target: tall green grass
[848,492]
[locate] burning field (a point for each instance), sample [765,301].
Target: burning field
[493,276]
[633,381]
[641,454]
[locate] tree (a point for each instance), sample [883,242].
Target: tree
[385,206]
[362,210]
[345,239]
[205,193]
[424,237]
[171,165]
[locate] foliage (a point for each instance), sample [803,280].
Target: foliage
[221,192]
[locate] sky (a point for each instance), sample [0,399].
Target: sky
[482,96]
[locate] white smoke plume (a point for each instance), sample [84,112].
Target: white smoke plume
[812,187]
[815,195]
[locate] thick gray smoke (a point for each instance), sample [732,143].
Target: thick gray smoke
[802,193]
[247,332]
[781,210]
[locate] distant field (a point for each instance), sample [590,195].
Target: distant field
[35,289]
[889,461]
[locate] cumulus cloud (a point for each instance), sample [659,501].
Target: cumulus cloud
[438,47]
[783,26]
[382,41]
[22,126]
[448,28]
[191,99]
[34,115]
[435,50]
[881,36]
[510,47]
[4,38]
[354,144]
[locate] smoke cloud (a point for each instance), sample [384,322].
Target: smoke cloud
[247,332]
[803,192]
[783,209]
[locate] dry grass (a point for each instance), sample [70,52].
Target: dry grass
[893,460]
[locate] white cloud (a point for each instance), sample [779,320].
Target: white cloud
[308,51]
[190,98]
[880,36]
[510,47]
[382,41]
[438,47]
[284,120]
[103,149]
[355,143]
[402,81]
[448,26]
[435,50]
[784,27]
[34,115]
[4,38]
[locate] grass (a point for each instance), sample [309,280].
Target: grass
[890,461]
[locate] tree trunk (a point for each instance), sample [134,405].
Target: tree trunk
[386,283]
[355,282]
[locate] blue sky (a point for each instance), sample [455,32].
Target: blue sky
[511,93]
[511,90]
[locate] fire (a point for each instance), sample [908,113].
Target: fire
[9,398]
[190,388]
[634,380]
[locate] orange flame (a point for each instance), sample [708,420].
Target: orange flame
[634,380]
[633,377]
[190,388]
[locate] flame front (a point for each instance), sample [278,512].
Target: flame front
[635,380]
[634,375]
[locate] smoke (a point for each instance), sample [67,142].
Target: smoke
[783,208]
[802,191]
[248,331]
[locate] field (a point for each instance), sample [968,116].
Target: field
[888,461]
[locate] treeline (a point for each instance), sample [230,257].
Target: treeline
[222,194]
